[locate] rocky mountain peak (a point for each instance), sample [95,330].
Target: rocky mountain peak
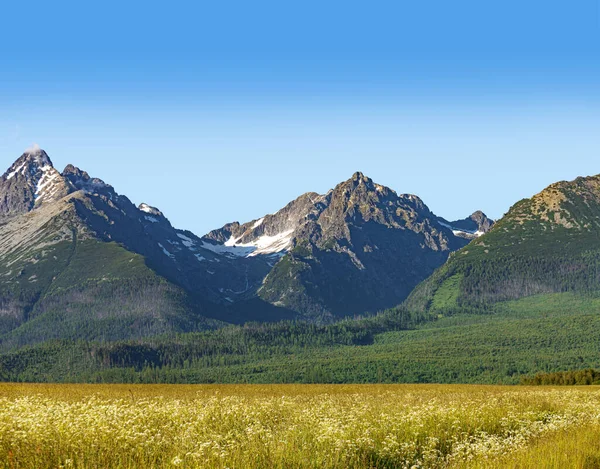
[81,180]
[35,154]
[484,224]
[29,182]
[29,164]
[322,219]
[377,243]
[360,177]
[358,180]
[360,189]
[360,200]
[71,170]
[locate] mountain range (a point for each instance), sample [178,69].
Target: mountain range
[77,259]
[360,284]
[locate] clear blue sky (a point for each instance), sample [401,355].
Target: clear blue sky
[222,111]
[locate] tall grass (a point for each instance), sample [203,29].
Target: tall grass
[295,426]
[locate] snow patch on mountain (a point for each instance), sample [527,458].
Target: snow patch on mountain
[264,244]
[47,184]
[228,250]
[462,233]
[16,171]
[187,242]
[167,253]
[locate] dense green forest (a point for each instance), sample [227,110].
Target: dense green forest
[542,333]
[564,378]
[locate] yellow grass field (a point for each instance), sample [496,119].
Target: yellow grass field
[298,426]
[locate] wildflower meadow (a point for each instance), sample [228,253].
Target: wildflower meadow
[298,426]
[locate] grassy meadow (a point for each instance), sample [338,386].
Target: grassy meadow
[298,426]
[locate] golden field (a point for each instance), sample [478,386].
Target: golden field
[298,426]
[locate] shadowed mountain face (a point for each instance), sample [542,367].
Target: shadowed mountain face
[359,248]
[79,260]
[548,243]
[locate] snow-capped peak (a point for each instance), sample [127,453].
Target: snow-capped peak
[29,164]
[32,180]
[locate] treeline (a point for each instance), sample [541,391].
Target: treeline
[556,334]
[563,378]
[165,357]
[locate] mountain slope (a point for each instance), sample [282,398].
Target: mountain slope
[78,260]
[359,248]
[548,243]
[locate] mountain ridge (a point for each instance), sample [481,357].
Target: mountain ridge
[548,243]
[316,259]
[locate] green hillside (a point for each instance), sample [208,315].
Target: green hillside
[92,290]
[547,244]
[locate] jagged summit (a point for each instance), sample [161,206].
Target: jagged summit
[29,182]
[71,170]
[357,180]
[32,181]
[81,180]
[27,165]
[326,218]
[359,176]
